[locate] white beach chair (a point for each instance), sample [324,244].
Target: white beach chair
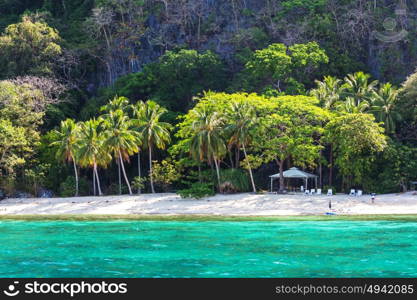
[329,192]
[359,193]
[306,192]
[312,191]
[318,191]
[302,189]
[352,192]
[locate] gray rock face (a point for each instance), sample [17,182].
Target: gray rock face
[228,26]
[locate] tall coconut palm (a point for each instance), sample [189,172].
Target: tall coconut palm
[66,143]
[136,125]
[350,105]
[154,133]
[207,141]
[120,138]
[358,87]
[91,152]
[329,91]
[383,106]
[241,119]
[116,103]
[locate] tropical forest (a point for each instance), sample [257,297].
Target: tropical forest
[197,97]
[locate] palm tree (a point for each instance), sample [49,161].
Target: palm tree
[115,104]
[136,125]
[207,141]
[358,87]
[91,151]
[154,133]
[67,145]
[120,138]
[241,117]
[384,104]
[350,105]
[329,91]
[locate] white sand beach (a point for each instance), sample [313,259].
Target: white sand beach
[226,205]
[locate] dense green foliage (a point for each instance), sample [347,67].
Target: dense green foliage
[29,48]
[197,191]
[119,96]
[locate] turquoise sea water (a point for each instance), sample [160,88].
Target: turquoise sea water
[208,249]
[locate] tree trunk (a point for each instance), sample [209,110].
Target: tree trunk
[76,177]
[250,170]
[150,169]
[331,166]
[199,172]
[124,173]
[238,158]
[98,180]
[217,172]
[232,164]
[321,171]
[94,182]
[281,175]
[139,171]
[120,177]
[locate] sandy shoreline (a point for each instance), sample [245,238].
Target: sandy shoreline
[220,205]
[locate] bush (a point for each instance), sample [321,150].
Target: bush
[165,173]
[197,191]
[114,189]
[234,181]
[67,188]
[138,183]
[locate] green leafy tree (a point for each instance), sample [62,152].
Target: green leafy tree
[393,170]
[356,139]
[13,145]
[29,48]
[291,131]
[165,173]
[407,107]
[21,115]
[283,67]
[66,142]
[272,63]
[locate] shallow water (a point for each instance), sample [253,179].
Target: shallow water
[208,249]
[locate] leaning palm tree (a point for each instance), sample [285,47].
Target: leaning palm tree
[154,133]
[207,141]
[136,125]
[91,152]
[329,91]
[241,117]
[66,142]
[383,106]
[120,138]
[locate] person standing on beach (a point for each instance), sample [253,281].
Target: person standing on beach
[373,198]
